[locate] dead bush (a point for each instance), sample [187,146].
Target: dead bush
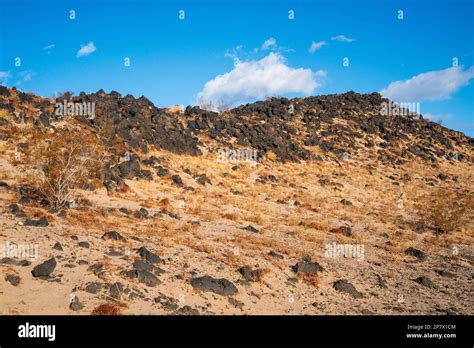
[114,308]
[444,210]
[58,164]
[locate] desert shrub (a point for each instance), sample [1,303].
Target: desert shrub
[271,155]
[58,164]
[66,95]
[444,210]
[114,308]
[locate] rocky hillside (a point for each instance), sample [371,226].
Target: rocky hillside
[348,123]
[123,208]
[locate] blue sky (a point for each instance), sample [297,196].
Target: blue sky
[175,61]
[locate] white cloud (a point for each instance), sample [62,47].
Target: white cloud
[232,53]
[342,38]
[433,85]
[316,46]
[269,43]
[86,50]
[49,47]
[258,79]
[437,118]
[4,76]
[24,76]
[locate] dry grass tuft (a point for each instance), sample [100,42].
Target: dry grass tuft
[444,210]
[110,308]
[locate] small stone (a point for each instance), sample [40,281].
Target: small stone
[177,180]
[10,261]
[84,245]
[344,230]
[186,310]
[425,281]
[250,228]
[42,222]
[58,246]
[75,304]
[12,279]
[93,288]
[114,235]
[420,255]
[343,285]
[148,256]
[307,267]
[381,281]
[141,214]
[221,286]
[145,277]
[445,273]
[142,266]
[251,275]
[275,255]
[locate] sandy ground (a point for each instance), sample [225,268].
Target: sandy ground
[201,232]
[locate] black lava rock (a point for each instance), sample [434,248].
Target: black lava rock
[343,285]
[221,286]
[420,255]
[42,222]
[58,246]
[250,228]
[148,256]
[251,275]
[425,281]
[44,269]
[113,235]
[307,267]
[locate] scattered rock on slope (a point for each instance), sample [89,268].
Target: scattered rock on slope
[220,286]
[44,269]
[343,285]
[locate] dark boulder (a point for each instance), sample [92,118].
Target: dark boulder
[220,286]
[177,180]
[148,256]
[113,235]
[420,255]
[250,228]
[307,267]
[251,275]
[42,222]
[425,281]
[149,279]
[13,279]
[343,285]
[44,269]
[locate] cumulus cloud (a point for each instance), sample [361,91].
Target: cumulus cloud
[433,85]
[258,79]
[86,50]
[269,43]
[342,38]
[316,46]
